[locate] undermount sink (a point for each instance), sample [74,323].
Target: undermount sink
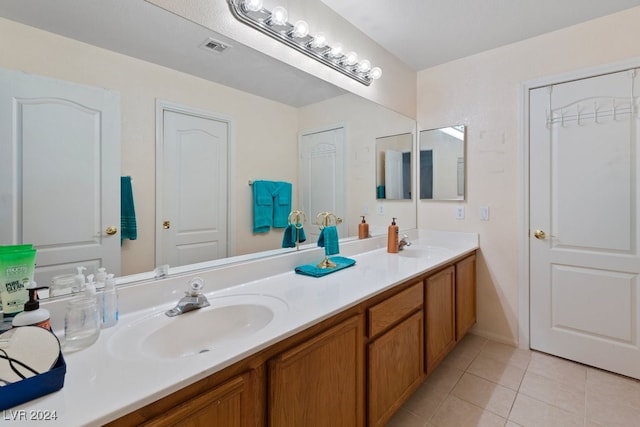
[427,252]
[228,319]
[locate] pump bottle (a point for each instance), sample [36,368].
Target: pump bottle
[363,229]
[392,238]
[33,315]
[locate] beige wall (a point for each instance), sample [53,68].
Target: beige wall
[481,91]
[265,131]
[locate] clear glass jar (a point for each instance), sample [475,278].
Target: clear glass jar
[81,324]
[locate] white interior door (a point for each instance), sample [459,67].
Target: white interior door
[322,178]
[584,192]
[60,172]
[393,178]
[192,190]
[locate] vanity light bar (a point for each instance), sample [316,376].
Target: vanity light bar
[274,23]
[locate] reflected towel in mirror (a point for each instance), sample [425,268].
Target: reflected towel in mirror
[128,225]
[293,234]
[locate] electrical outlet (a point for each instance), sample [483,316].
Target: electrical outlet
[459,212]
[380,209]
[484,213]
[365,210]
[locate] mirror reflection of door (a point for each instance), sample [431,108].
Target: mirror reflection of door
[60,149]
[322,178]
[442,164]
[192,195]
[393,167]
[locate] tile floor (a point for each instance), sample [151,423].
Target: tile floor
[484,383]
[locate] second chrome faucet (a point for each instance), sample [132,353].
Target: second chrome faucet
[193,299]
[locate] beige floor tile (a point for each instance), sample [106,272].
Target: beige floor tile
[498,372]
[485,394]
[465,351]
[560,394]
[512,424]
[558,369]
[456,412]
[404,418]
[424,402]
[612,400]
[507,354]
[529,412]
[443,379]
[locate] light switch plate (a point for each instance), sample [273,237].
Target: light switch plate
[459,212]
[484,213]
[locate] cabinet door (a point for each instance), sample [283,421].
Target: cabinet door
[465,295]
[440,316]
[396,368]
[228,404]
[320,382]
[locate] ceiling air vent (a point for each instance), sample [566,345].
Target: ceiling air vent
[214,45]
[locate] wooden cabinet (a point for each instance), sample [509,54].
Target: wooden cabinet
[465,295]
[321,381]
[229,404]
[395,364]
[440,316]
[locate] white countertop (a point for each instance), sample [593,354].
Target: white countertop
[104,382]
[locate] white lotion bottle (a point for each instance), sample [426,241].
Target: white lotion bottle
[101,278]
[109,303]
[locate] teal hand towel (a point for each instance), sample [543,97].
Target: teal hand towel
[282,203]
[262,206]
[128,225]
[293,234]
[315,271]
[328,239]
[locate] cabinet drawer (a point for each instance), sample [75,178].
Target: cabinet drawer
[388,312]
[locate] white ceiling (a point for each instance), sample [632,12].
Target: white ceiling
[424,33]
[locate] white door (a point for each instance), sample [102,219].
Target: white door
[323,178]
[393,175]
[584,198]
[60,172]
[192,189]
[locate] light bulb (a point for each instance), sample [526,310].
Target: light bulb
[300,29]
[279,16]
[336,50]
[253,5]
[375,73]
[364,66]
[351,58]
[319,41]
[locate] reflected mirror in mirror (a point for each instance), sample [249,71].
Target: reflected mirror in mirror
[442,163]
[264,130]
[393,167]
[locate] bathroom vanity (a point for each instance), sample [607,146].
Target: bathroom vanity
[347,349]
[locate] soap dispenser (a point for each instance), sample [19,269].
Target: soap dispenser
[392,239]
[33,315]
[78,280]
[363,229]
[101,277]
[109,303]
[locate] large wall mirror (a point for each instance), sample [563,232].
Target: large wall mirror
[442,163]
[269,105]
[394,177]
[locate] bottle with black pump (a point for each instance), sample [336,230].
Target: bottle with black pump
[392,238]
[363,229]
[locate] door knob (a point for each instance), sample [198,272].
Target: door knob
[539,234]
[111,230]
[166,225]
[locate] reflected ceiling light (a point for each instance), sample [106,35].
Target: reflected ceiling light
[274,23]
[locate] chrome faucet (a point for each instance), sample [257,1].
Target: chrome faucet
[403,242]
[193,299]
